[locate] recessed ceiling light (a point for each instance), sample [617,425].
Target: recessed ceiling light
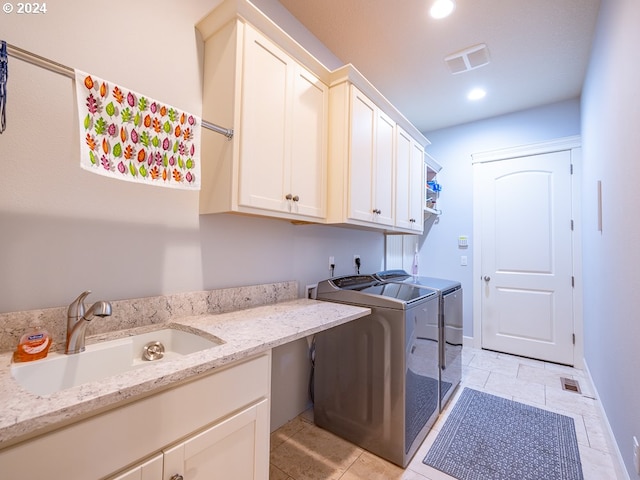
[477,94]
[442,8]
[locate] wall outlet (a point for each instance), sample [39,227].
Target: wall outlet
[463,260]
[636,454]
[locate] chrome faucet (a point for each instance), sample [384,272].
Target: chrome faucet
[77,319]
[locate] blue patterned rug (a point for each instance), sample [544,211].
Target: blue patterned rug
[492,438]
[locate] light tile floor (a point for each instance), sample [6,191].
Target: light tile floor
[302,451]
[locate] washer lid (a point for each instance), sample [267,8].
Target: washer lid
[370,285]
[440,284]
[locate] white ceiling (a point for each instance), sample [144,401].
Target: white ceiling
[539,52]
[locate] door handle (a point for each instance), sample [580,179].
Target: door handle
[486,278]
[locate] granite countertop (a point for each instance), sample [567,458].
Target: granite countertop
[245,333]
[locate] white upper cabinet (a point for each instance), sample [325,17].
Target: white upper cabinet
[376,168]
[309,144]
[383,202]
[409,182]
[369,144]
[276,163]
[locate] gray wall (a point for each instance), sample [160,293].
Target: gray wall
[611,118]
[452,148]
[64,230]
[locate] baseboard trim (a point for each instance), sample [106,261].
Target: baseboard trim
[618,462]
[468,342]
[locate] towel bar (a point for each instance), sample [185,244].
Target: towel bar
[56,67]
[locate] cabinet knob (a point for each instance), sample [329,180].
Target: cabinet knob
[296,198]
[412,220]
[289,196]
[376,211]
[177,476]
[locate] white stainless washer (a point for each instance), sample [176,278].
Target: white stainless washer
[375,382]
[449,325]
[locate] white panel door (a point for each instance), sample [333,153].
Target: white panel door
[527,303]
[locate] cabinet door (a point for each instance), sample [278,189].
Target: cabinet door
[409,182]
[266,94]
[236,448]
[404,150]
[384,169]
[417,182]
[308,162]
[362,162]
[149,470]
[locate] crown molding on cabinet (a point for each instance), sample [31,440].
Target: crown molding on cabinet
[231,10]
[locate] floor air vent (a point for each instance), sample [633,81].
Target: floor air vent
[570,385]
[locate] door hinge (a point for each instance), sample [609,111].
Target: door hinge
[573,281]
[571,168]
[573,338]
[572,225]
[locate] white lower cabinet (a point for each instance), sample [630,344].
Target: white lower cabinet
[213,427]
[149,470]
[224,450]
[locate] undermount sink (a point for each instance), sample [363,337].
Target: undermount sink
[100,360]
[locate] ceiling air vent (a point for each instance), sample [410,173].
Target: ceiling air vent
[468,59]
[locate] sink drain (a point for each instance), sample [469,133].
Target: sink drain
[153,351]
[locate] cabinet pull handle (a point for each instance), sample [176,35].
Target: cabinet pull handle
[486,278]
[177,476]
[375,210]
[288,197]
[296,198]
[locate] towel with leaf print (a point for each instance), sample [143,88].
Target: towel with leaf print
[129,136]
